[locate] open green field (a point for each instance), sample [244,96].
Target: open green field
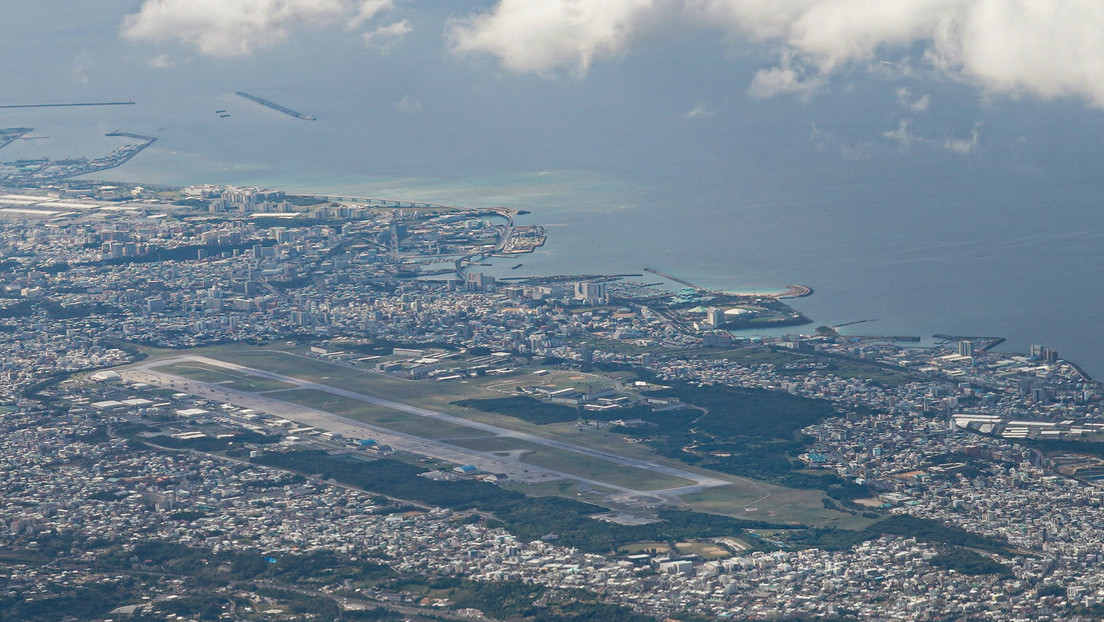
[569,489]
[372,414]
[601,470]
[229,378]
[423,392]
[783,505]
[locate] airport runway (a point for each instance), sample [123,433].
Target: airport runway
[352,428]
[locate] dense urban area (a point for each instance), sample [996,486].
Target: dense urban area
[229,403]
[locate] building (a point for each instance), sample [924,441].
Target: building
[715,316]
[591,293]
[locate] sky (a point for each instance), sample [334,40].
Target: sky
[766,50]
[621,87]
[935,161]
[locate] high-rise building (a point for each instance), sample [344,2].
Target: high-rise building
[965,348]
[715,316]
[478,282]
[590,292]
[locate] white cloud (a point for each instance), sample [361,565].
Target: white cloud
[902,135]
[1050,48]
[784,79]
[547,35]
[905,137]
[408,106]
[369,9]
[238,27]
[699,112]
[161,61]
[79,71]
[385,37]
[963,146]
[853,152]
[906,99]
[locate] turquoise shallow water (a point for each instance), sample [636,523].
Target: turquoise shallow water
[918,260]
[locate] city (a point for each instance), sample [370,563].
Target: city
[233,403]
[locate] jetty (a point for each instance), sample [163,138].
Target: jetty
[126,103]
[277,107]
[673,278]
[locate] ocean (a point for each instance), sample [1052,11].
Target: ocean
[920,230]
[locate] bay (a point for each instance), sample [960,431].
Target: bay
[660,158]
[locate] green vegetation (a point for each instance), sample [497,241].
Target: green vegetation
[208,443]
[494,444]
[968,562]
[229,378]
[525,408]
[85,602]
[318,567]
[1050,589]
[750,412]
[927,530]
[566,521]
[607,471]
[205,607]
[1062,446]
[747,432]
[670,433]
[382,416]
[56,310]
[517,601]
[924,530]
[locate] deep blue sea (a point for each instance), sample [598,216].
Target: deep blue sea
[1006,240]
